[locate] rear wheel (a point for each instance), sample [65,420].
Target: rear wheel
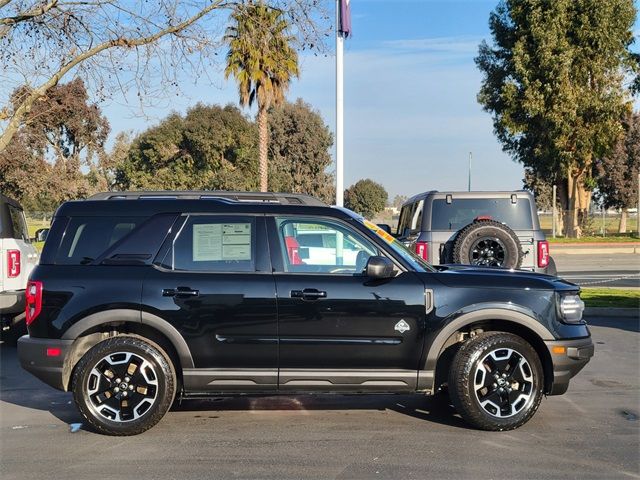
[496,381]
[124,385]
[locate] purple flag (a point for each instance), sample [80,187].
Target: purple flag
[344,23]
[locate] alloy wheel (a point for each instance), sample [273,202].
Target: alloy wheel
[503,383]
[122,386]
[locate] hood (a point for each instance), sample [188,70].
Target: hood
[483,277]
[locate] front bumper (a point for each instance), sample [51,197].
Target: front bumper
[568,358]
[44,358]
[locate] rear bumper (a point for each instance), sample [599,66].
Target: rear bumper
[12,301]
[567,363]
[35,357]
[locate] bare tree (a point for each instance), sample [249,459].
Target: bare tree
[116,46]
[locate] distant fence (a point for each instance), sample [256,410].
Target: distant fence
[599,223]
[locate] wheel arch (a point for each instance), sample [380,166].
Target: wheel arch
[101,325]
[445,344]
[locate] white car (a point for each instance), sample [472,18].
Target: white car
[17,258]
[321,248]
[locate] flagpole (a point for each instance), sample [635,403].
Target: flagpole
[339,110]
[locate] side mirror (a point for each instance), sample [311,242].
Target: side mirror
[379,268]
[41,234]
[385,227]
[303,252]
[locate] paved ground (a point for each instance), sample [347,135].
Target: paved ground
[592,432]
[601,270]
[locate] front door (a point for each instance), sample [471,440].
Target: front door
[213,283]
[338,329]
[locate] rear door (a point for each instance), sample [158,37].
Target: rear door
[212,281]
[19,256]
[338,330]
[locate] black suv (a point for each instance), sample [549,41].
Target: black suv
[140,298]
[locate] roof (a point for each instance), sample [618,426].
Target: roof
[248,197]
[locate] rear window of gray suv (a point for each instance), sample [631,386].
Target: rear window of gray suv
[461,212]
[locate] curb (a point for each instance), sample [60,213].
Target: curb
[612,312]
[592,250]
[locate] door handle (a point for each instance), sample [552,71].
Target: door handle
[308,294]
[180,292]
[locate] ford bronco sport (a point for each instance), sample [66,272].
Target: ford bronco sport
[488,229]
[140,298]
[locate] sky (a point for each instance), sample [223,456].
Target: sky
[410,84]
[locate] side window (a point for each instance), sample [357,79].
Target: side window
[209,243]
[19,224]
[322,246]
[416,224]
[86,238]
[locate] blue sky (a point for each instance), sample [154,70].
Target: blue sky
[411,115]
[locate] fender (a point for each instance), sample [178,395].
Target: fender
[134,316]
[426,376]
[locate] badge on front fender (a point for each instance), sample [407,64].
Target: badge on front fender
[402,326]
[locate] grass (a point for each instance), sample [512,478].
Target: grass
[595,239]
[34,224]
[611,297]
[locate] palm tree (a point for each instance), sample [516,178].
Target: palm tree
[263,61]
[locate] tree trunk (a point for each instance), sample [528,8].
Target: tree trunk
[623,221]
[578,198]
[263,135]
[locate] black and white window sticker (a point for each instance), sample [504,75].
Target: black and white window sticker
[221,242]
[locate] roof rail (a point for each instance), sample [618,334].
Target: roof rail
[220,195]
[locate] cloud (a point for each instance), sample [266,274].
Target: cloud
[465,45]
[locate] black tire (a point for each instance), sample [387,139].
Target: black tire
[150,385]
[487,243]
[496,403]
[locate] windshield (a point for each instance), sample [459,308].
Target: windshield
[398,247]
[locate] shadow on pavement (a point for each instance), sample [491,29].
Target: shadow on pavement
[22,389]
[627,324]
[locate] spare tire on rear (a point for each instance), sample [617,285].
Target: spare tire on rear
[487,243]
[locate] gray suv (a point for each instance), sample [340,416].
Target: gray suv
[490,229]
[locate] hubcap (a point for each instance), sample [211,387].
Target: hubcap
[503,383]
[122,386]
[487,252]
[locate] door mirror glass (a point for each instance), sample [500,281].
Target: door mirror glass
[380,267]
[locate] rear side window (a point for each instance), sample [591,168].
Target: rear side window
[210,243]
[410,218]
[86,238]
[18,223]
[461,212]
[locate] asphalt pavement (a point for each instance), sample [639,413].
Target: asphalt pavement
[592,432]
[621,270]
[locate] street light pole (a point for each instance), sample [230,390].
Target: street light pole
[470,156]
[339,111]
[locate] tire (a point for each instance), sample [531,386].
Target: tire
[17,328]
[487,243]
[124,385]
[477,396]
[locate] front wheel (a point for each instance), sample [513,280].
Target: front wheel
[496,381]
[124,385]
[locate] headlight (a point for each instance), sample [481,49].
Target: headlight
[571,308]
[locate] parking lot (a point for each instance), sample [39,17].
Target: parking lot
[591,432]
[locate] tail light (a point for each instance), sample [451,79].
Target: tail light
[13,263]
[543,253]
[33,301]
[422,250]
